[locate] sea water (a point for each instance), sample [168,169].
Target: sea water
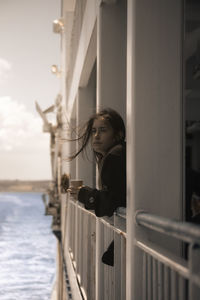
[27,248]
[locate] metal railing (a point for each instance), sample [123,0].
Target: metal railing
[87,238]
[166,276]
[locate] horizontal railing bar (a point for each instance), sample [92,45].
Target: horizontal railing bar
[118,231]
[173,263]
[184,231]
[158,255]
[121,212]
[80,205]
[113,227]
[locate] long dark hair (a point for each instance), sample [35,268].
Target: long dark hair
[115,121]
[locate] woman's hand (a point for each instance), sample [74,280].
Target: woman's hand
[74,190]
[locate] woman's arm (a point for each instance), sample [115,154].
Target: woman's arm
[113,193]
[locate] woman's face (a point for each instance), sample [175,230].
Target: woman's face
[102,136]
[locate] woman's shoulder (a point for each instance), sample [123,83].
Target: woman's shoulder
[117,150]
[113,170]
[115,157]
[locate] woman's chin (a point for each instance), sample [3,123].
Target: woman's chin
[98,150]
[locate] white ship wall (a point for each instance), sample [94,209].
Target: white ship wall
[154,120]
[127,55]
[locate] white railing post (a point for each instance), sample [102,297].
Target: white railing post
[99,265]
[91,257]
[119,258]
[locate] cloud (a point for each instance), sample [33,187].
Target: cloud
[5,68]
[19,128]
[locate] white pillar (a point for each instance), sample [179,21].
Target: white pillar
[86,106]
[154,116]
[111,56]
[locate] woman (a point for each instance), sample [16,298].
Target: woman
[106,131]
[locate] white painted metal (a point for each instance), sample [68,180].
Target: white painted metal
[119,257]
[154,95]
[85,168]
[179,277]
[99,268]
[153,109]
[111,57]
[165,275]
[86,33]
[87,251]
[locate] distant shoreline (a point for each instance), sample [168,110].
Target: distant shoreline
[24,186]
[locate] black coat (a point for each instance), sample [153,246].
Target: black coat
[112,193]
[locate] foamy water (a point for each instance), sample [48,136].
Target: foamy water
[27,248]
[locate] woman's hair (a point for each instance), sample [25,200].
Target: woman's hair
[115,121]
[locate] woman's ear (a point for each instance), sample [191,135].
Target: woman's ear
[120,136]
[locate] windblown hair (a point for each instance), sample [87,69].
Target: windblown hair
[115,121]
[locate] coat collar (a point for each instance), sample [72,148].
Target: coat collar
[115,150]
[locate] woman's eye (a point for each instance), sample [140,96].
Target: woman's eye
[103,129]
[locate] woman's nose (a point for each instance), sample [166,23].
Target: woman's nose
[96,134]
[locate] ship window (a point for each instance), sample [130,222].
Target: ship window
[192,109]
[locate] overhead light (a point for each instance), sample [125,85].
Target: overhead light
[58,26]
[55,70]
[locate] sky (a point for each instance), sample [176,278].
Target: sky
[28,49]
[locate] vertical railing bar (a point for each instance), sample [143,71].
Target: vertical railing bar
[79,240]
[73,233]
[182,291]
[76,237]
[123,267]
[64,219]
[86,251]
[106,268]
[160,280]
[99,265]
[174,285]
[155,279]
[83,249]
[111,238]
[89,254]
[144,281]
[81,224]
[117,266]
[92,266]
[80,245]
[110,269]
[167,287]
[69,225]
[91,261]
[149,277]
